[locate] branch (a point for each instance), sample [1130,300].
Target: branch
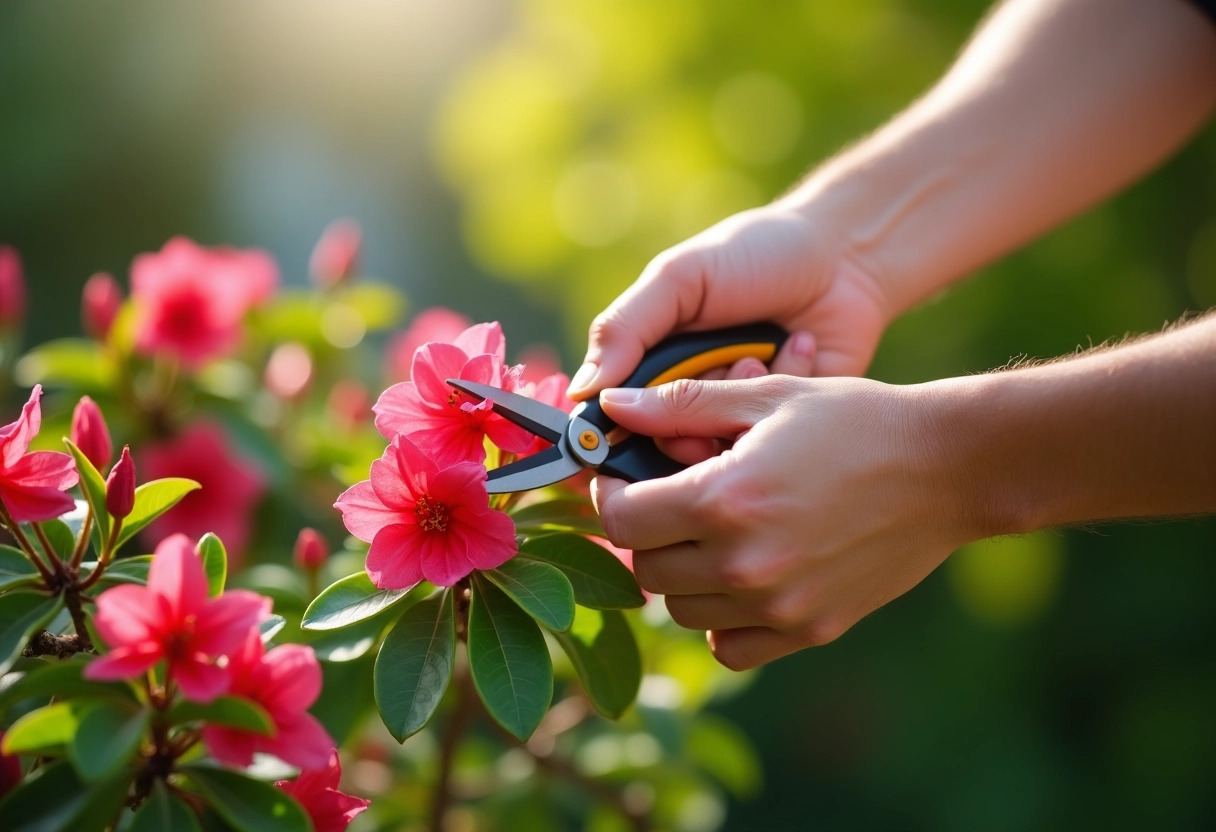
[462,710]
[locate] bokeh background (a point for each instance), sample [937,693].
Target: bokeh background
[522,161]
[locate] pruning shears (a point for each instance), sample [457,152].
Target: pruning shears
[581,439]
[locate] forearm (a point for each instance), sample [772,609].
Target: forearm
[1117,433]
[1052,106]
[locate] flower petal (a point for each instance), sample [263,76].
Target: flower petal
[444,561]
[47,469]
[177,575]
[126,662]
[127,614]
[290,679]
[363,513]
[393,561]
[301,741]
[489,537]
[231,746]
[483,338]
[33,505]
[199,680]
[224,622]
[434,364]
[15,437]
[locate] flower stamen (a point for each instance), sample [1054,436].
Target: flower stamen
[432,516]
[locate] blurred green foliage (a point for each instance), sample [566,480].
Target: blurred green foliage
[524,162]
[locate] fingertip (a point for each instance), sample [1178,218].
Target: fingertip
[583,380]
[746,368]
[797,356]
[603,487]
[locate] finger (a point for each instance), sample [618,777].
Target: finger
[680,569]
[653,513]
[710,612]
[689,407]
[691,449]
[797,356]
[748,647]
[746,368]
[667,295]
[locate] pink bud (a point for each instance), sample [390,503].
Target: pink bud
[336,254]
[10,771]
[99,305]
[288,370]
[310,550]
[12,287]
[120,487]
[90,434]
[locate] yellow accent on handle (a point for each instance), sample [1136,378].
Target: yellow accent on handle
[722,356]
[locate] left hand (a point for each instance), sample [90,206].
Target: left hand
[831,502]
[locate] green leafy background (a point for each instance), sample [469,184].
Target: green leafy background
[521,162]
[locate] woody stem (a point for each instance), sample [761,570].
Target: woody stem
[7,519]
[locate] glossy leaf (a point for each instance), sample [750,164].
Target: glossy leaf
[132,570]
[93,484]
[599,579]
[541,590]
[509,660]
[163,812]
[231,711]
[605,656]
[215,562]
[269,626]
[54,798]
[44,729]
[152,499]
[353,599]
[107,737]
[62,679]
[23,613]
[58,534]
[414,665]
[249,805]
[15,569]
[77,363]
[349,643]
[558,516]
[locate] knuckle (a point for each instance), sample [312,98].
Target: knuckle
[729,655]
[777,612]
[646,573]
[681,395]
[742,574]
[679,612]
[606,328]
[821,631]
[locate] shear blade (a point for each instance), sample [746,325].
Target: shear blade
[546,421]
[544,468]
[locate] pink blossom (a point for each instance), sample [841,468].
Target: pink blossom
[435,324]
[552,391]
[336,254]
[120,486]
[285,682]
[191,300]
[90,434]
[99,305]
[446,424]
[424,520]
[310,551]
[539,362]
[32,485]
[230,488]
[12,287]
[173,620]
[317,791]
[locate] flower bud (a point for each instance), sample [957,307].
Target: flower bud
[336,254]
[12,287]
[99,305]
[90,434]
[120,487]
[310,550]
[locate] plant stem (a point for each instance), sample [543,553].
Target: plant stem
[46,544]
[83,543]
[462,710]
[48,577]
[72,600]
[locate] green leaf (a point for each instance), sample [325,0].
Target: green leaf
[46,729]
[23,613]
[605,656]
[230,711]
[132,570]
[77,363]
[349,643]
[215,562]
[61,679]
[509,660]
[558,516]
[152,499]
[414,665]
[107,737]
[600,581]
[353,599]
[378,305]
[163,812]
[94,487]
[16,569]
[249,805]
[59,535]
[541,590]
[269,627]
[54,798]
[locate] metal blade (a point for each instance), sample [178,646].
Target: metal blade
[544,420]
[545,468]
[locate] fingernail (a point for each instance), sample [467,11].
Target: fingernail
[803,344]
[621,395]
[754,369]
[583,378]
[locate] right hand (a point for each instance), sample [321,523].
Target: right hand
[767,264]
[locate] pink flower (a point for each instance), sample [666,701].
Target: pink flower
[173,620]
[435,324]
[191,300]
[230,486]
[310,551]
[32,485]
[446,424]
[120,486]
[539,362]
[317,791]
[90,434]
[552,391]
[99,305]
[336,254]
[12,287]
[285,682]
[425,521]
[10,771]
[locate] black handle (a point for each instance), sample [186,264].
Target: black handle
[680,356]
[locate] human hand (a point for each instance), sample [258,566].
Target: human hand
[830,503]
[768,264]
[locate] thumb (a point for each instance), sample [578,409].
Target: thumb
[690,407]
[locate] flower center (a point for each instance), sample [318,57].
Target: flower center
[432,516]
